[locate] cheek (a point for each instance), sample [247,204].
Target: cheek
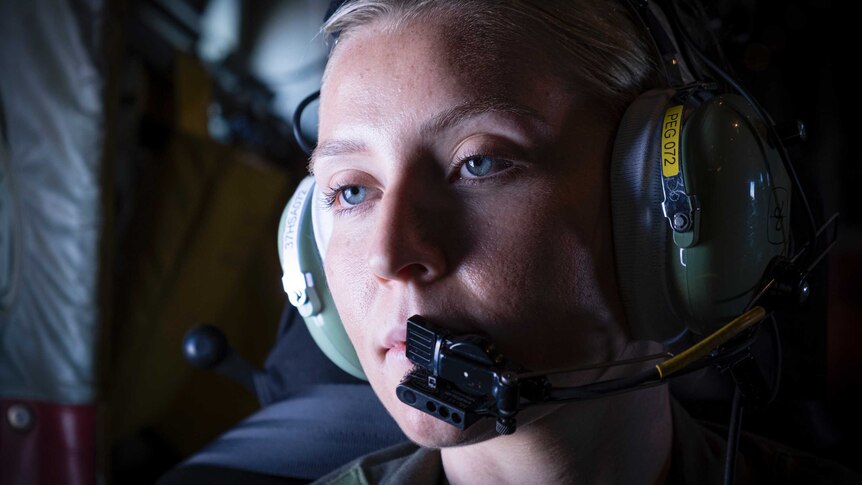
[535,268]
[521,243]
[349,281]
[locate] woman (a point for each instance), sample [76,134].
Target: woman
[464,150]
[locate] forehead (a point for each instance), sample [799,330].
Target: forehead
[453,45]
[385,75]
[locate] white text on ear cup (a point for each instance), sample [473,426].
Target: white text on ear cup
[298,283]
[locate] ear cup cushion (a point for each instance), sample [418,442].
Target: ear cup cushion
[321,221]
[305,279]
[641,233]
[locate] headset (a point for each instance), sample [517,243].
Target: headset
[700,203]
[701,186]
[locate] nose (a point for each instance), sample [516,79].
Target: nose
[408,241]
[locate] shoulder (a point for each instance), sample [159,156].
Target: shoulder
[402,463]
[772,462]
[699,450]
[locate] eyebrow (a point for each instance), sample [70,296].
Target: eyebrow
[445,119]
[333,148]
[458,114]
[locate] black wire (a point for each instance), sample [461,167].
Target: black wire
[640,11]
[693,65]
[643,380]
[304,144]
[603,388]
[779,359]
[770,125]
[733,437]
[698,13]
[645,377]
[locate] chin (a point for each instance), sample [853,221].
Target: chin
[424,429]
[421,428]
[430,432]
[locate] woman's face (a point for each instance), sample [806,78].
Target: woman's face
[469,188]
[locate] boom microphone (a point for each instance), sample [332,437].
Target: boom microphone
[461,378]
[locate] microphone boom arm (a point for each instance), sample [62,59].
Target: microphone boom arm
[459,379]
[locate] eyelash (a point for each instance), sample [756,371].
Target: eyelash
[331,195]
[457,165]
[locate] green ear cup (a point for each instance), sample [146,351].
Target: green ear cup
[703,273]
[744,194]
[305,282]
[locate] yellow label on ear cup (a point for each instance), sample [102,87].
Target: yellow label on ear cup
[670,153]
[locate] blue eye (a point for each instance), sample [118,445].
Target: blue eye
[481,166]
[478,166]
[353,194]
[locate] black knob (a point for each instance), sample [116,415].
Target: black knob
[790,287]
[792,133]
[205,346]
[803,290]
[505,425]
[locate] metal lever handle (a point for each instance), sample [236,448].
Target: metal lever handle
[206,347]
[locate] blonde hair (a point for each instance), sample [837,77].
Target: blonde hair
[596,43]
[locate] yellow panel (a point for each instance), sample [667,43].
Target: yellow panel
[670,130]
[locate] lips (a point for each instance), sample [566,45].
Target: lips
[397,356]
[396,336]
[394,346]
